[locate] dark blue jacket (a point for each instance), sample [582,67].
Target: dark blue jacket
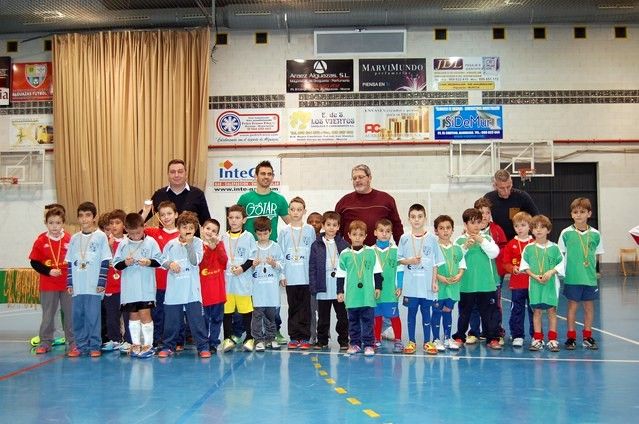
[317,263]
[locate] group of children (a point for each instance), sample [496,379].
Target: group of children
[160,281]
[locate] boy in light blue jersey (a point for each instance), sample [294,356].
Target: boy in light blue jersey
[136,257]
[420,254]
[88,257]
[296,240]
[267,268]
[241,250]
[183,290]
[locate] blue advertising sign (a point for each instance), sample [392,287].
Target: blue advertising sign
[468,122]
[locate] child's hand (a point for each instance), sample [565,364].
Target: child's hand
[144,262]
[129,261]
[398,292]
[415,260]
[272,262]
[478,238]
[435,287]
[70,290]
[174,267]
[111,240]
[55,272]
[237,270]
[469,243]
[378,293]
[256,262]
[515,270]
[283,282]
[147,208]
[99,289]
[340,297]
[188,238]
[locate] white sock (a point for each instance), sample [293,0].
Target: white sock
[134,329]
[147,333]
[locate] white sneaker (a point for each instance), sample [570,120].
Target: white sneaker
[553,345]
[451,344]
[369,351]
[518,342]
[275,345]
[125,347]
[536,345]
[388,334]
[439,345]
[259,347]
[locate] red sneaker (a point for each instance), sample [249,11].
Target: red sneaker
[42,349]
[205,354]
[494,344]
[74,353]
[293,344]
[95,354]
[304,345]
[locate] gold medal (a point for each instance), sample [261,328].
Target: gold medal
[83,265]
[586,264]
[296,258]
[48,262]
[205,272]
[116,276]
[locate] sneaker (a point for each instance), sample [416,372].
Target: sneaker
[439,345]
[459,342]
[260,347]
[249,345]
[451,344]
[204,354]
[236,339]
[74,352]
[352,350]
[293,344]
[570,344]
[320,346]
[343,347]
[501,341]
[35,341]
[304,345]
[165,353]
[518,342]
[410,348]
[135,351]
[146,351]
[430,348]
[42,349]
[125,348]
[179,348]
[280,339]
[228,344]
[536,345]
[398,347]
[59,341]
[590,343]
[95,353]
[110,346]
[275,345]
[553,345]
[378,344]
[494,344]
[369,351]
[482,337]
[471,339]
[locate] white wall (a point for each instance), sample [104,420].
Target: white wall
[321,176]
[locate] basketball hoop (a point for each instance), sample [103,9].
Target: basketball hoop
[526,174]
[9,180]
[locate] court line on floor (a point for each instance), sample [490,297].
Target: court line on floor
[20,312]
[30,367]
[608,333]
[185,417]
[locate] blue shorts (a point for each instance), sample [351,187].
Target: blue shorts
[387,310]
[415,302]
[580,292]
[444,303]
[542,306]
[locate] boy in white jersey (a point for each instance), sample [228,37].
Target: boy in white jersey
[581,246]
[88,258]
[322,277]
[135,258]
[296,239]
[241,250]
[267,268]
[543,261]
[183,290]
[420,254]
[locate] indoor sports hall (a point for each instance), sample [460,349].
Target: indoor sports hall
[433,97]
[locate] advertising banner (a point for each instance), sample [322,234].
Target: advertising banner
[392,74]
[468,122]
[466,73]
[306,76]
[247,126]
[393,123]
[32,81]
[238,174]
[322,125]
[31,131]
[5,80]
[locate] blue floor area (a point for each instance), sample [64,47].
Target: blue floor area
[475,384]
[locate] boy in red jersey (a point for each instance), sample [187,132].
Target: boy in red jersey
[212,281]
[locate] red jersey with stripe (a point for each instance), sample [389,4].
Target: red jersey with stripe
[212,274]
[162,237]
[511,257]
[113,282]
[51,253]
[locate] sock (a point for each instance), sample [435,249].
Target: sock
[134,329]
[247,325]
[147,333]
[552,335]
[572,334]
[378,328]
[538,335]
[227,325]
[587,334]
[396,323]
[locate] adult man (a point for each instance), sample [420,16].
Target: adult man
[185,197]
[262,201]
[507,201]
[368,205]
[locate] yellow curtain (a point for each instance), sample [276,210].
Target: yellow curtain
[125,103]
